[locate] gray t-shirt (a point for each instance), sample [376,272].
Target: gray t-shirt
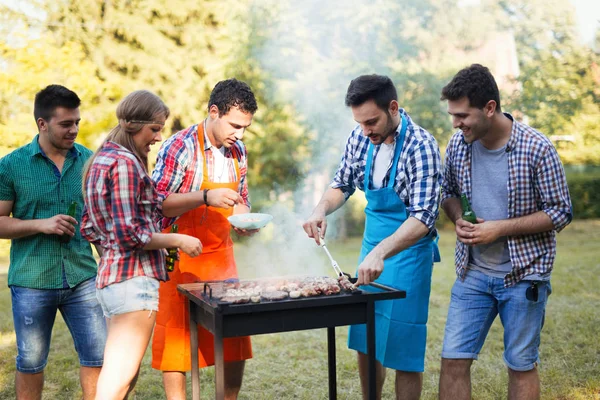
[489,200]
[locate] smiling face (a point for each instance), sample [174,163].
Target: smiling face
[377,124]
[149,135]
[227,129]
[59,133]
[474,123]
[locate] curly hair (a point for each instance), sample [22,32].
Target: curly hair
[475,82]
[232,93]
[378,88]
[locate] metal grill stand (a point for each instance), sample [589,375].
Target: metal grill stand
[231,320]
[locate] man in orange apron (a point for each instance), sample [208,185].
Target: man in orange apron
[201,171]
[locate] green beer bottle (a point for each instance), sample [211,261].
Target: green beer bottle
[467,213]
[172,255]
[71,212]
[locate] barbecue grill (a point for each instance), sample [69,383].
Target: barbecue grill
[225,320]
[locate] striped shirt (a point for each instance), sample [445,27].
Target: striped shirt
[122,210]
[180,167]
[39,190]
[536,182]
[418,177]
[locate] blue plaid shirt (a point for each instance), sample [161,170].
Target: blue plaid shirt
[536,182]
[417,180]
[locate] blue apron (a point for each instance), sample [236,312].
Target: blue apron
[400,325]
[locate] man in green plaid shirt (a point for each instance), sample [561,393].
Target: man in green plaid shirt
[51,266]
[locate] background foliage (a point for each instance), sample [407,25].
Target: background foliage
[299,58]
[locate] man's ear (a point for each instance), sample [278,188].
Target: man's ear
[490,108]
[213,111]
[42,124]
[393,108]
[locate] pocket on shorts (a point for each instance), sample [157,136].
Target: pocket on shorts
[112,298]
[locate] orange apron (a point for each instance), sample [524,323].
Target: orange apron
[171,340]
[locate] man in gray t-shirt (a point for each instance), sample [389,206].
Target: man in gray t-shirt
[515,181]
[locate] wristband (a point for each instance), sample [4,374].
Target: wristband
[206,197]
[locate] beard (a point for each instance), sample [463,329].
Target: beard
[388,130]
[59,142]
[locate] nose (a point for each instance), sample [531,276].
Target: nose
[239,134]
[456,122]
[158,136]
[74,128]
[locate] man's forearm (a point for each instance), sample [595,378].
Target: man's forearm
[177,204]
[526,225]
[14,228]
[409,233]
[452,208]
[332,200]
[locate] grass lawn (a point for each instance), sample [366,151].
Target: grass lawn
[294,365]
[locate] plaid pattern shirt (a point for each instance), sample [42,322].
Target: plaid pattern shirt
[417,180]
[121,216]
[180,167]
[536,182]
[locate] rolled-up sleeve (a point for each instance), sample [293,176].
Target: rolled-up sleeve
[87,227]
[551,184]
[425,178]
[131,210]
[449,184]
[344,176]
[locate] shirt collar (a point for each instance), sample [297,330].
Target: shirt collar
[36,149]
[512,141]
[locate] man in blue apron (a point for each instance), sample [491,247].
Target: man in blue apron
[397,164]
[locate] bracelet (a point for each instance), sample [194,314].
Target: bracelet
[206,197]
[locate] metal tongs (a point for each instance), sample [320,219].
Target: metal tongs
[334,263]
[340,273]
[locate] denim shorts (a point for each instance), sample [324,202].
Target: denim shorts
[34,312]
[474,304]
[136,294]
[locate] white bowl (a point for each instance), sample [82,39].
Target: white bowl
[250,220]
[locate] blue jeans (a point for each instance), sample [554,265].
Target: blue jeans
[34,312]
[474,304]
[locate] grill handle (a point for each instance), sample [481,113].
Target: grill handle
[206,285]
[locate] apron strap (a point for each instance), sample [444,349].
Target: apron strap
[397,151]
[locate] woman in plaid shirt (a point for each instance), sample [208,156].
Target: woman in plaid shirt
[121,217]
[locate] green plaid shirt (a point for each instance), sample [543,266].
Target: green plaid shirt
[40,191]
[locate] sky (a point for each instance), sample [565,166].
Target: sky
[588,18]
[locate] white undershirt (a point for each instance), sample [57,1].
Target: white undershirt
[383,162]
[221,174]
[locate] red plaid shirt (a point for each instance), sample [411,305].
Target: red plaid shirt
[179,166]
[120,215]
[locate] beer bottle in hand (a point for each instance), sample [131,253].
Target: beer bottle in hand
[172,254]
[467,213]
[71,212]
